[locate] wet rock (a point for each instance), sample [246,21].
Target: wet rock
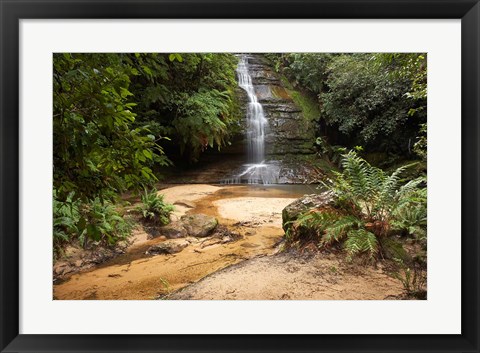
[192,240]
[271,93]
[168,247]
[173,230]
[303,204]
[62,269]
[289,128]
[249,245]
[281,107]
[210,242]
[199,225]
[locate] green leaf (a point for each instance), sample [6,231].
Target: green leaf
[148,154]
[93,232]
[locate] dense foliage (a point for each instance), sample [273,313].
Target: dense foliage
[96,146]
[115,119]
[368,205]
[377,101]
[190,100]
[94,220]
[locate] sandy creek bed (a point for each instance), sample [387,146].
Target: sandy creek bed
[203,270]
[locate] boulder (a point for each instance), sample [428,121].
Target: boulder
[199,225]
[303,204]
[168,247]
[173,230]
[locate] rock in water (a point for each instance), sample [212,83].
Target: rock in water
[199,225]
[303,204]
[168,247]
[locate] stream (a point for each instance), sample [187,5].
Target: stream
[251,211]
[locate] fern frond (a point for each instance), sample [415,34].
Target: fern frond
[356,174]
[412,187]
[339,229]
[361,241]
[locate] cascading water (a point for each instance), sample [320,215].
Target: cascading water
[255,118]
[256,171]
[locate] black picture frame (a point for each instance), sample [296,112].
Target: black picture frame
[13,10]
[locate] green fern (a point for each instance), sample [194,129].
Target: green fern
[154,209]
[103,223]
[369,204]
[340,228]
[65,218]
[361,241]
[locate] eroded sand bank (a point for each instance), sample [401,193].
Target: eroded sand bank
[244,269]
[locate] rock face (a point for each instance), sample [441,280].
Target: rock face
[303,204]
[289,131]
[199,225]
[168,247]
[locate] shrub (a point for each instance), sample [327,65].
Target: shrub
[154,209]
[369,205]
[94,221]
[414,279]
[66,216]
[102,223]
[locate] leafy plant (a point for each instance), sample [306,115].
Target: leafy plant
[97,148]
[374,100]
[192,101]
[102,223]
[411,218]
[66,216]
[414,279]
[332,153]
[154,209]
[367,204]
[97,221]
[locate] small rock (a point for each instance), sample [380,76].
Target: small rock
[192,240]
[199,225]
[173,230]
[168,247]
[62,269]
[227,239]
[78,263]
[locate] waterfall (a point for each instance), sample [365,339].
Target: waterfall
[256,121]
[256,171]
